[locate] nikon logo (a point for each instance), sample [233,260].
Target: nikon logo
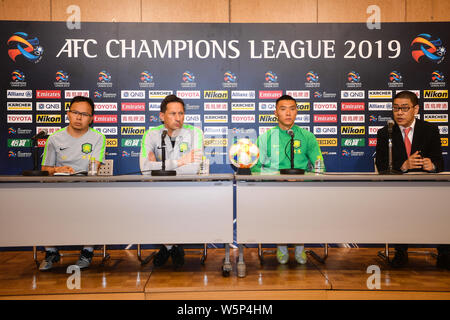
[214,94]
[47,118]
[303,106]
[435,94]
[132,130]
[353,130]
[267,118]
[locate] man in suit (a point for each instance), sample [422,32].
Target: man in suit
[416,146]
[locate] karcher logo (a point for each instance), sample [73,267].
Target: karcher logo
[48,118]
[327,142]
[353,130]
[267,118]
[215,94]
[435,94]
[132,130]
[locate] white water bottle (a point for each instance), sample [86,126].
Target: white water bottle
[319,166]
[92,167]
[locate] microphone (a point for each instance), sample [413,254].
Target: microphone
[292,170]
[291,133]
[163,171]
[164,134]
[390,170]
[41,135]
[390,124]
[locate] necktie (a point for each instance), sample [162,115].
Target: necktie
[407,141]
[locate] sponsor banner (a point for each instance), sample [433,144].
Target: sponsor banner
[48,94]
[325,118]
[69,94]
[373,130]
[215,94]
[107,131]
[444,142]
[435,94]
[131,142]
[243,106]
[298,94]
[212,118]
[192,118]
[14,131]
[41,143]
[267,118]
[19,143]
[443,129]
[374,118]
[303,106]
[111,143]
[380,106]
[307,128]
[215,131]
[48,118]
[435,117]
[352,94]
[19,106]
[188,94]
[435,106]
[351,142]
[243,118]
[352,106]
[325,130]
[48,106]
[133,106]
[132,94]
[327,142]
[243,94]
[19,94]
[215,106]
[353,130]
[372,142]
[352,153]
[274,95]
[215,142]
[132,131]
[19,154]
[353,118]
[132,118]
[417,92]
[266,106]
[264,129]
[303,118]
[380,94]
[49,130]
[325,106]
[159,94]
[102,118]
[154,106]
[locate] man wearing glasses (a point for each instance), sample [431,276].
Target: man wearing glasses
[416,146]
[68,151]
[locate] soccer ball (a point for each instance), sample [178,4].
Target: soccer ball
[244,153]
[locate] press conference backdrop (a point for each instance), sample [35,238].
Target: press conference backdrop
[343,76]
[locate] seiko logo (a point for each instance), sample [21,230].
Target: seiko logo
[327,142]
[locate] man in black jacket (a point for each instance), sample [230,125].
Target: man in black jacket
[416,146]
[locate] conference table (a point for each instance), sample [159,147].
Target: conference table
[342,208]
[140,209]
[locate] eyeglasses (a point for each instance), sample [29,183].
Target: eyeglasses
[82,114]
[404,108]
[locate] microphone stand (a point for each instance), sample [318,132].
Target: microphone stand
[390,170]
[292,170]
[163,171]
[36,172]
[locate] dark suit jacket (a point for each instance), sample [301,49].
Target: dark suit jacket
[426,138]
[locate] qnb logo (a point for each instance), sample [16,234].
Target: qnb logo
[312,77]
[353,77]
[271,77]
[229,77]
[395,77]
[425,48]
[20,44]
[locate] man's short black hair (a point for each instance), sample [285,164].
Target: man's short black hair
[169,99]
[407,95]
[285,97]
[83,99]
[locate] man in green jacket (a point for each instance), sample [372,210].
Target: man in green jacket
[274,154]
